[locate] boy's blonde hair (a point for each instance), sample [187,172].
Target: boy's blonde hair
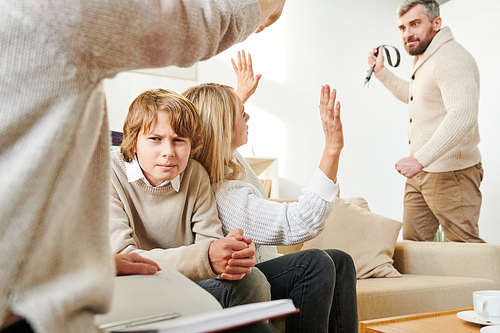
[182,114]
[216,104]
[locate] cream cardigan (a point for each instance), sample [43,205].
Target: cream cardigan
[56,266]
[443,98]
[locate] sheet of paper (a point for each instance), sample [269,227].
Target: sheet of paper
[221,319]
[168,291]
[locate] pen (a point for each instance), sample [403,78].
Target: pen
[120,325]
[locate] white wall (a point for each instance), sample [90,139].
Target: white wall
[328,42]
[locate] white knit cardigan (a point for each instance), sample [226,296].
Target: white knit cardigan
[244,204]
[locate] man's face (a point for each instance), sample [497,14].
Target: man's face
[416,30]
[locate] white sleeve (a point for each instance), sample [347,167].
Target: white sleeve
[267,222]
[323,186]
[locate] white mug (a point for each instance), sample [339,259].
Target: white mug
[487,305]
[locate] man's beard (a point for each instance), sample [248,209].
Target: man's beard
[421,46]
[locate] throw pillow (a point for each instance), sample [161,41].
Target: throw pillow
[369,238]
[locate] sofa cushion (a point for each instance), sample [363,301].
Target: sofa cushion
[369,238]
[412,293]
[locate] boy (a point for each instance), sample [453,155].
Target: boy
[162,205]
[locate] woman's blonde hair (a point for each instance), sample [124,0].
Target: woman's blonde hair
[216,104]
[182,114]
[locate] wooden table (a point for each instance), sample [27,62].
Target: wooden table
[445,321]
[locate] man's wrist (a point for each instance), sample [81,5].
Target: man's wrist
[416,161]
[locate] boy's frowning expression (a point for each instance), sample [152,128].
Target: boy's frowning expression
[161,153]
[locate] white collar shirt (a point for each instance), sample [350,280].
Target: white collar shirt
[134,172]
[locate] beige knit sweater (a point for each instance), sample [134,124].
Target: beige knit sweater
[56,266]
[443,98]
[169,227]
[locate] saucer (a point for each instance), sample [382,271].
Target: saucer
[490,329]
[471,317]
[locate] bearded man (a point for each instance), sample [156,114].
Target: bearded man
[444,168]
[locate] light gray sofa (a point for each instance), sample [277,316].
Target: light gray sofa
[435,276]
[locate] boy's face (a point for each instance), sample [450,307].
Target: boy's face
[162,154]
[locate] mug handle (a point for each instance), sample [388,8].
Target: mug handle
[480,306]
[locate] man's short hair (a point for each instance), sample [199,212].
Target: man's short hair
[431,8]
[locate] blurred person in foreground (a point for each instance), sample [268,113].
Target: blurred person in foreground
[57,266]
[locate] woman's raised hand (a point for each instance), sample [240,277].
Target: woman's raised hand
[247,81]
[330,117]
[329,110]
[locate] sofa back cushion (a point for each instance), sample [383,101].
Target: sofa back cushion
[369,238]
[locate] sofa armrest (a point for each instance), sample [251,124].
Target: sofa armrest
[448,259]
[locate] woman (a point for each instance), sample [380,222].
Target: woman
[242,203]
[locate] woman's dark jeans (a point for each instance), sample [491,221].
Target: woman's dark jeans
[321,283]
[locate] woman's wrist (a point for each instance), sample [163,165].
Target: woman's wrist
[243,95]
[333,152]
